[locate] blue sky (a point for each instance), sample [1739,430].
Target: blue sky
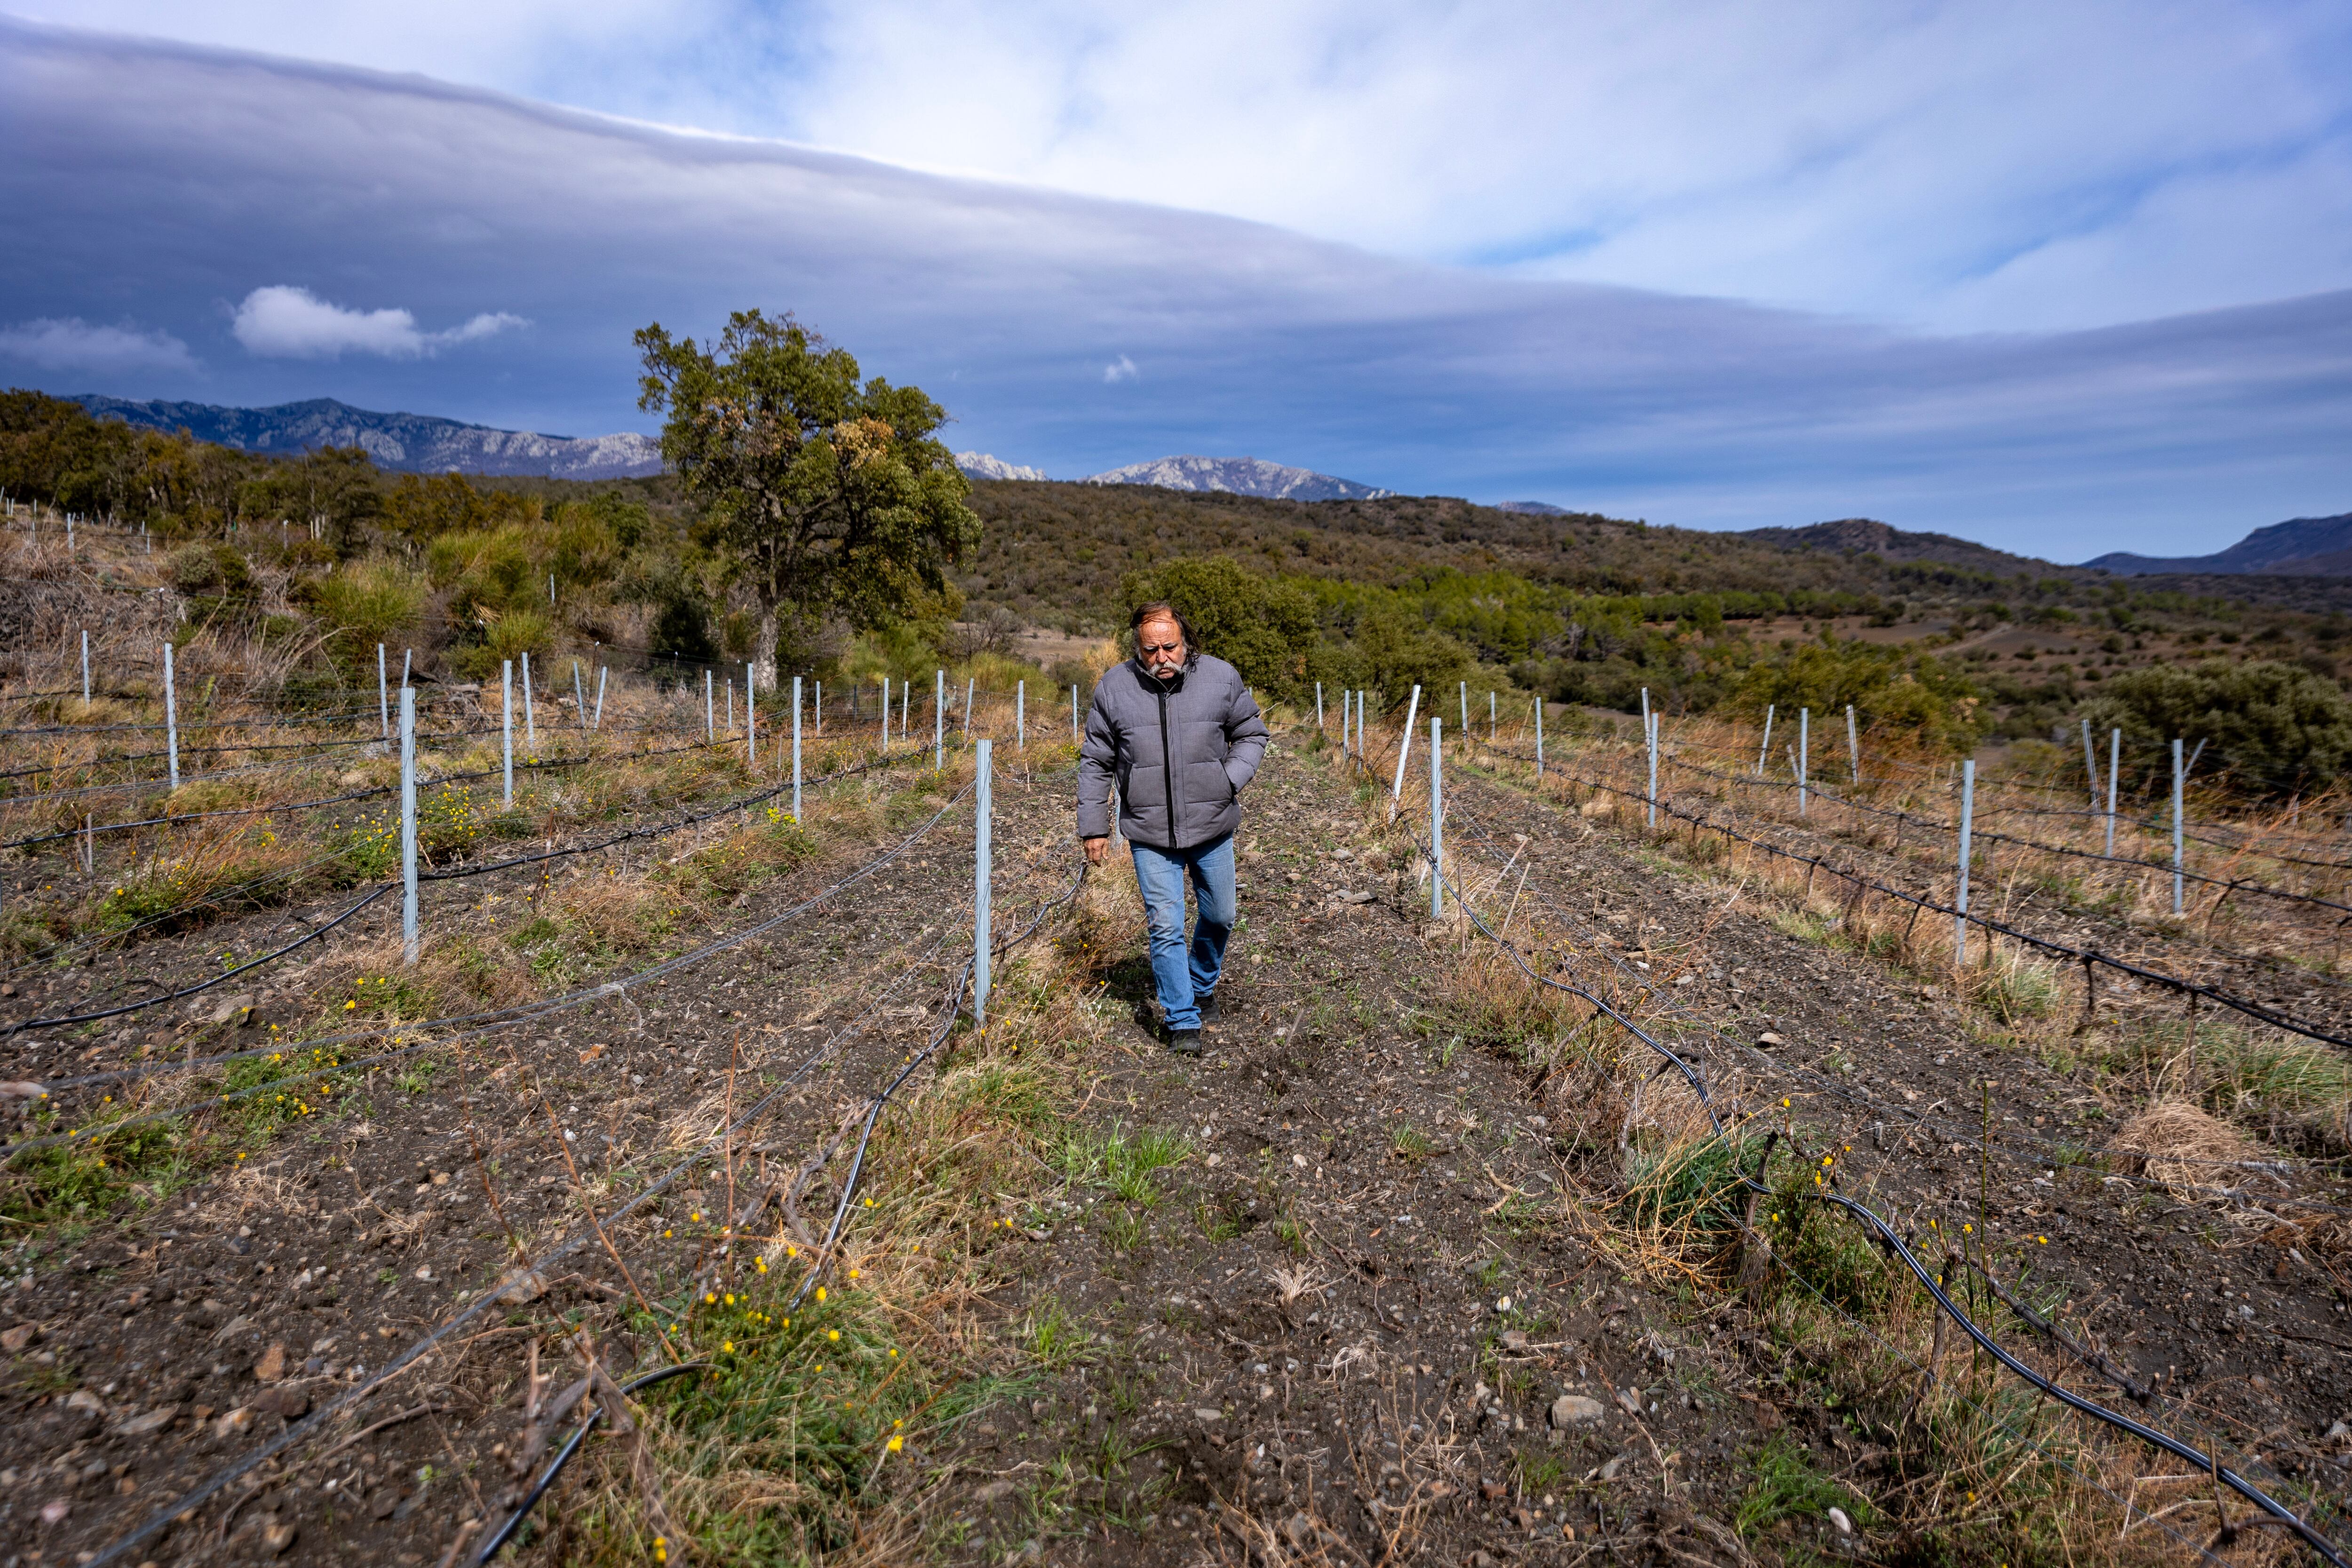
[2065,278]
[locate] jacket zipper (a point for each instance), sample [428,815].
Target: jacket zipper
[1166,768]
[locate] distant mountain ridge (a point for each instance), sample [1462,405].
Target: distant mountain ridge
[2299,547]
[406,442]
[1238,475]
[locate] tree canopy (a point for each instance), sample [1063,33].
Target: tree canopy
[831,497]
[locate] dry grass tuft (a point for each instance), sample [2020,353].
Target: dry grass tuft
[2179,1145]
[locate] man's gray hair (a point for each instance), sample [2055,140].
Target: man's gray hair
[1161,610]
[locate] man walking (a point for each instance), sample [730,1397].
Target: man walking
[1181,735]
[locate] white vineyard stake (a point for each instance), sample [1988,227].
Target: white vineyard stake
[505,723]
[1804,753]
[408,823]
[530,714]
[2180,786]
[982,809]
[172,716]
[1404,750]
[1968,831]
[1436,819]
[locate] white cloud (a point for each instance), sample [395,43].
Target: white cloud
[1118,370]
[282,322]
[1959,164]
[72,343]
[2168,437]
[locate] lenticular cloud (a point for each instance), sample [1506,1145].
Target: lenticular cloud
[282,322]
[72,343]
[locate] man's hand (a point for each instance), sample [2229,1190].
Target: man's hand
[1096,849]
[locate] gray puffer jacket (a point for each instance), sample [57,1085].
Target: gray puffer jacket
[1181,751]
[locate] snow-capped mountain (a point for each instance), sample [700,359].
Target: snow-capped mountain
[406,443]
[983,465]
[1238,475]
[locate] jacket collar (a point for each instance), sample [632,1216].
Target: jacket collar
[1152,682]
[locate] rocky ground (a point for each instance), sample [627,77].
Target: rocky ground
[1366,1282]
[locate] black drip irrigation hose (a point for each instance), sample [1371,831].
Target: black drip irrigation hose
[2257,1011]
[579,1239]
[876,1105]
[571,1445]
[2040,1150]
[220,899]
[483,1022]
[317,748]
[2235,884]
[190,726]
[2230,886]
[221,979]
[2207,1464]
[453,874]
[1827,789]
[549,764]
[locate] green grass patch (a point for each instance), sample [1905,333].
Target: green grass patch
[1787,1487]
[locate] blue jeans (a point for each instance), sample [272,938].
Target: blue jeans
[1184,972]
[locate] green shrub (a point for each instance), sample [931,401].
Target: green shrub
[2272,728]
[1910,691]
[368,604]
[1264,628]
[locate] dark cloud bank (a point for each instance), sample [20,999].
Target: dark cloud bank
[152,187]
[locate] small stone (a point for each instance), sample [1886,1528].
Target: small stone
[272,1364]
[993,1493]
[17,1338]
[1490,1488]
[1515,1339]
[235,1421]
[1576,1410]
[54,1511]
[1838,1518]
[83,1399]
[278,1535]
[237,1009]
[1768,1039]
[156,1420]
[1202,1413]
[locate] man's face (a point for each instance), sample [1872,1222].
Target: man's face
[1161,645]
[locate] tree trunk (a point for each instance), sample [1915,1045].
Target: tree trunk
[764,651]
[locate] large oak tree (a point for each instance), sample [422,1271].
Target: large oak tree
[832,495]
